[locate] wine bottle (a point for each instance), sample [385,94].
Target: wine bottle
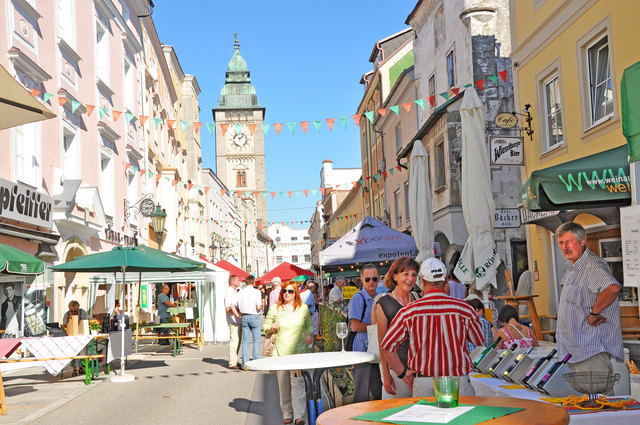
[517,360]
[538,365]
[486,351]
[552,370]
[502,356]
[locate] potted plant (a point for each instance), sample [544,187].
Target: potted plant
[95,327]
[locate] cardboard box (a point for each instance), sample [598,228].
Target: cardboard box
[77,327]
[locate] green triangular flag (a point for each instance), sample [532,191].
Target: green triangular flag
[281,194]
[313,191]
[466,86]
[135,169]
[369,114]
[46,96]
[391,170]
[156,122]
[292,127]
[297,192]
[129,116]
[420,102]
[493,78]
[211,127]
[361,181]
[395,108]
[247,194]
[445,95]
[343,120]
[183,125]
[376,177]
[238,128]
[265,128]
[264,194]
[74,106]
[318,124]
[103,112]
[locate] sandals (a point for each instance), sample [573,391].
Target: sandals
[288,421]
[299,422]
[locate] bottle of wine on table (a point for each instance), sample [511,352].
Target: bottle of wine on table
[504,354]
[486,351]
[552,370]
[537,366]
[517,360]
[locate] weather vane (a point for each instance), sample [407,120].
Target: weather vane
[235,35]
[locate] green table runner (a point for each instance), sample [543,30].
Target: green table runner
[474,416]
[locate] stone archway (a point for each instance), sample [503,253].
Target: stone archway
[73,287]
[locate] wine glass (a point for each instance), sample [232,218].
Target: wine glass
[342,332]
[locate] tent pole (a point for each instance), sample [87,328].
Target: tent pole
[138,309]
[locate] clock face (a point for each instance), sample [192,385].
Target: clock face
[240,140]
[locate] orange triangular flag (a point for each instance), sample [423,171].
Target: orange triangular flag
[173,182]
[256,194]
[322,190]
[252,128]
[273,194]
[116,115]
[382,112]
[456,91]
[196,126]
[356,118]
[158,177]
[189,186]
[224,128]
[306,192]
[304,125]
[290,193]
[407,106]
[278,127]
[62,100]
[142,171]
[143,119]
[90,109]
[170,123]
[35,92]
[126,166]
[503,75]
[330,122]
[206,189]
[432,101]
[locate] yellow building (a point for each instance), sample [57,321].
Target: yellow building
[568,59]
[348,213]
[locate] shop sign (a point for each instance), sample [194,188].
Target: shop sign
[506,150]
[506,120]
[527,216]
[118,238]
[21,203]
[507,218]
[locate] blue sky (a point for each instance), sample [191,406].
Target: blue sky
[306,60]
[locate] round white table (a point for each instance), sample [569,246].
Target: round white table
[319,362]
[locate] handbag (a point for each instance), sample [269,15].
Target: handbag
[269,345]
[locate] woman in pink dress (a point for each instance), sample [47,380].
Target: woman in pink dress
[513,332]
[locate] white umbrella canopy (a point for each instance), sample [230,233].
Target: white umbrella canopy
[17,106]
[420,208]
[479,260]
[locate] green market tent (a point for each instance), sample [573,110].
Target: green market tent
[630,108]
[14,261]
[594,181]
[301,278]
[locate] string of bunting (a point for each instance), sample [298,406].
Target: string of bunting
[233,242]
[265,127]
[269,223]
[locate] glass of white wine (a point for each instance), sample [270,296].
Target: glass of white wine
[342,332]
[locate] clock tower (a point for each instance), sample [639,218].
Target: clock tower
[240,156]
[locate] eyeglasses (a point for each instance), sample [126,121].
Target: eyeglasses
[289,291]
[367,279]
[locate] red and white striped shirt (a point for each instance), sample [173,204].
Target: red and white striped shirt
[438,327]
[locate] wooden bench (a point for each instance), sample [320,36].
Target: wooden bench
[86,361]
[175,339]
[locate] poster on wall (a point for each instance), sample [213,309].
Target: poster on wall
[36,309]
[11,309]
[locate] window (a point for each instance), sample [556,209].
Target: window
[600,90]
[406,200]
[241,178]
[307,258]
[294,238]
[440,166]
[107,183]
[432,86]
[65,18]
[398,132]
[396,207]
[451,77]
[129,85]
[27,154]
[438,26]
[278,259]
[307,238]
[102,52]
[553,112]
[132,193]
[294,258]
[70,155]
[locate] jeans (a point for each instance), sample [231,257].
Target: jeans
[163,332]
[251,325]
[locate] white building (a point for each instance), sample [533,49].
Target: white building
[292,245]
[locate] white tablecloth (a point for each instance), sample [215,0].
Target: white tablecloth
[311,360]
[492,387]
[66,346]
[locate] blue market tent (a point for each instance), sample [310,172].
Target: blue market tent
[369,241]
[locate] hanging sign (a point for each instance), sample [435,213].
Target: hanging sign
[506,150]
[506,120]
[144,297]
[507,218]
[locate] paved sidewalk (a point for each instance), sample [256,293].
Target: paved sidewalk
[195,387]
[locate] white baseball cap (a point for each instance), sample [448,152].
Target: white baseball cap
[276,280]
[433,270]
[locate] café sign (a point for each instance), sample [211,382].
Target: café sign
[507,218]
[21,203]
[506,120]
[506,150]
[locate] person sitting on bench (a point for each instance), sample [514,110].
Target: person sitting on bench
[74,310]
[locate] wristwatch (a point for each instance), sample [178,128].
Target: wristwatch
[592,313]
[404,372]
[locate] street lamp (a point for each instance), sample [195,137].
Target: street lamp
[212,249]
[157,221]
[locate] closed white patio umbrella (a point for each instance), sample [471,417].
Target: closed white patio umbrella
[479,259]
[17,106]
[420,208]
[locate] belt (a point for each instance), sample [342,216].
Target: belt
[248,314]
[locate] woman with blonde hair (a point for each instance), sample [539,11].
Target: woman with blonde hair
[290,318]
[400,279]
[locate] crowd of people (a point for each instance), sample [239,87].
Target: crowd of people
[423,323]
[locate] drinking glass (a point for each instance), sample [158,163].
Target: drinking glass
[446,388]
[342,332]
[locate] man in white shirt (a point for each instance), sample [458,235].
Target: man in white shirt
[250,305]
[336,293]
[233,320]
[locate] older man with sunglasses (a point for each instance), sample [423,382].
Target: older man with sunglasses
[366,377]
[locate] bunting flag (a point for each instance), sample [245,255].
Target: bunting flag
[395,109]
[369,115]
[102,111]
[74,106]
[211,127]
[317,124]
[344,120]
[420,103]
[265,128]
[479,84]
[115,114]
[407,106]
[129,116]
[292,127]
[493,78]
[62,100]
[304,125]
[382,112]
[46,97]
[196,126]
[503,75]
[143,119]
[278,127]
[170,123]
[237,128]
[224,128]
[183,125]
[156,122]
[330,122]
[35,92]
[252,128]
[356,118]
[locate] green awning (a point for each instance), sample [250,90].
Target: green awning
[630,109]
[594,181]
[14,261]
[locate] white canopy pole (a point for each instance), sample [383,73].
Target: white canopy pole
[123,377]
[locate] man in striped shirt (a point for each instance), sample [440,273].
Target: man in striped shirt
[588,314]
[438,327]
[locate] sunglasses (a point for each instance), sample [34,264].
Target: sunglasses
[367,279]
[289,291]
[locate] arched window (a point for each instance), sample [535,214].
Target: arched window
[241,179]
